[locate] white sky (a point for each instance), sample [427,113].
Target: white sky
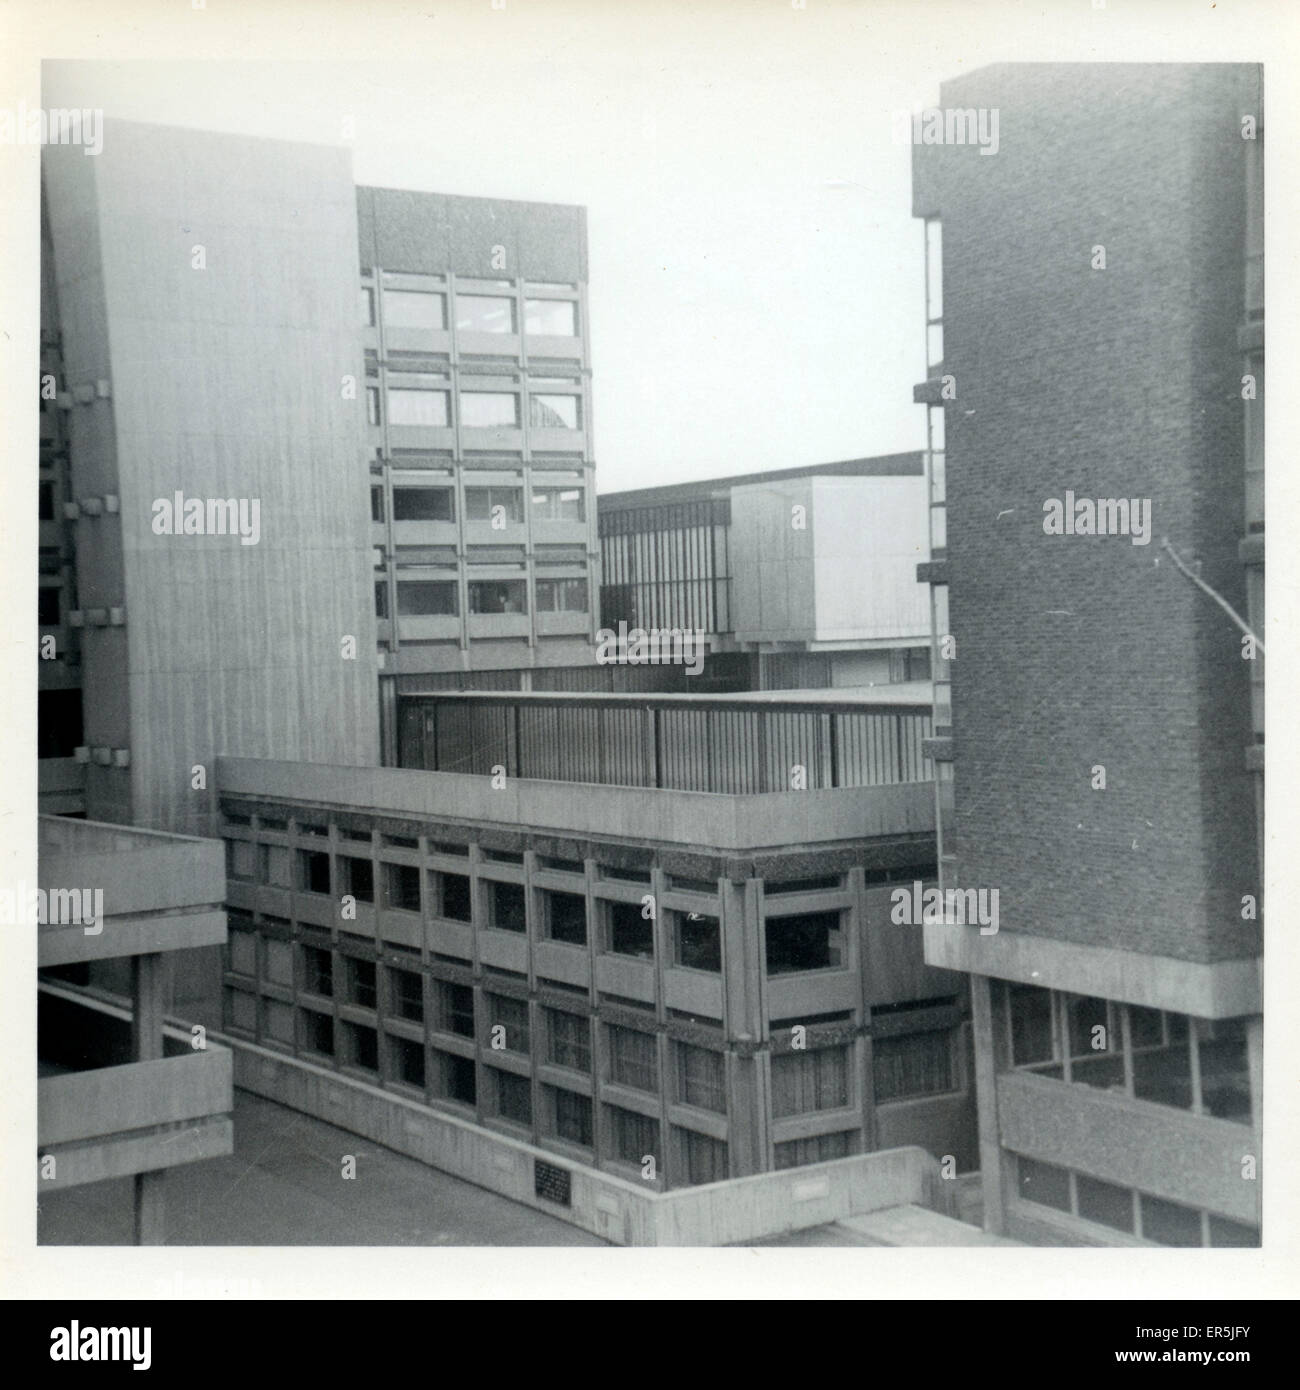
[744,316]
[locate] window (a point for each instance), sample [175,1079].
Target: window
[423,504]
[273,867]
[376,504]
[367,307]
[794,1153]
[570,1040]
[514,1097]
[698,941]
[427,598]
[496,504]
[407,992]
[556,317]
[506,908]
[449,896]
[408,1061]
[483,313]
[705,1158]
[413,309]
[917,1065]
[358,878]
[241,859]
[242,954]
[1104,1203]
[559,504]
[381,598]
[456,1008]
[572,1117]
[806,1081]
[313,871]
[317,1032]
[812,941]
[1231,1233]
[1029,1011]
[633,1058]
[58,723]
[566,917]
[700,1077]
[628,932]
[402,887]
[498,596]
[1225,1072]
[372,405]
[489,409]
[458,1078]
[633,1137]
[317,972]
[45,502]
[1169,1223]
[561,595]
[279,961]
[416,399]
[506,1021]
[550,412]
[361,982]
[1044,1183]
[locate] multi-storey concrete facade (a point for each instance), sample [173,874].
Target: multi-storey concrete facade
[1094,312]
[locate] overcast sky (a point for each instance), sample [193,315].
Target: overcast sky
[746,314]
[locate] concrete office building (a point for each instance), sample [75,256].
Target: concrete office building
[798,578]
[1095,308]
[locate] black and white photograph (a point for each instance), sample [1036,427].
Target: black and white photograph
[650,636]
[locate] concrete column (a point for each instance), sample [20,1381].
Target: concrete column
[742,963]
[990,1147]
[147,1046]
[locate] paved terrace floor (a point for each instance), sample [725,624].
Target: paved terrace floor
[282,1186]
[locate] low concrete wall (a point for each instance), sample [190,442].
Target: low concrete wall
[732,1212]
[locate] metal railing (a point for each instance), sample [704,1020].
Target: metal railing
[721,745]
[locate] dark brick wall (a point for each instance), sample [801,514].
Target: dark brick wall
[1077,650]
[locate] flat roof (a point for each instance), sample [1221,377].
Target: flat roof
[882,466]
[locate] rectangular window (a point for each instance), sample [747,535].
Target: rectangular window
[806,1081]
[361,982]
[376,504]
[458,1078]
[514,1097]
[313,871]
[633,1137]
[456,1008]
[506,1022]
[402,887]
[317,1032]
[48,607]
[367,307]
[916,1065]
[408,1061]
[820,1148]
[559,504]
[572,1117]
[1029,1013]
[628,932]
[413,309]
[1043,1183]
[449,896]
[1104,1203]
[506,907]
[633,1058]
[705,1157]
[698,941]
[557,318]
[496,504]
[1169,1223]
[317,972]
[241,859]
[381,598]
[701,1077]
[417,400]
[810,941]
[274,866]
[427,598]
[372,405]
[242,953]
[489,409]
[566,917]
[484,313]
[551,412]
[45,502]
[498,596]
[358,878]
[407,993]
[561,595]
[423,504]
[570,1040]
